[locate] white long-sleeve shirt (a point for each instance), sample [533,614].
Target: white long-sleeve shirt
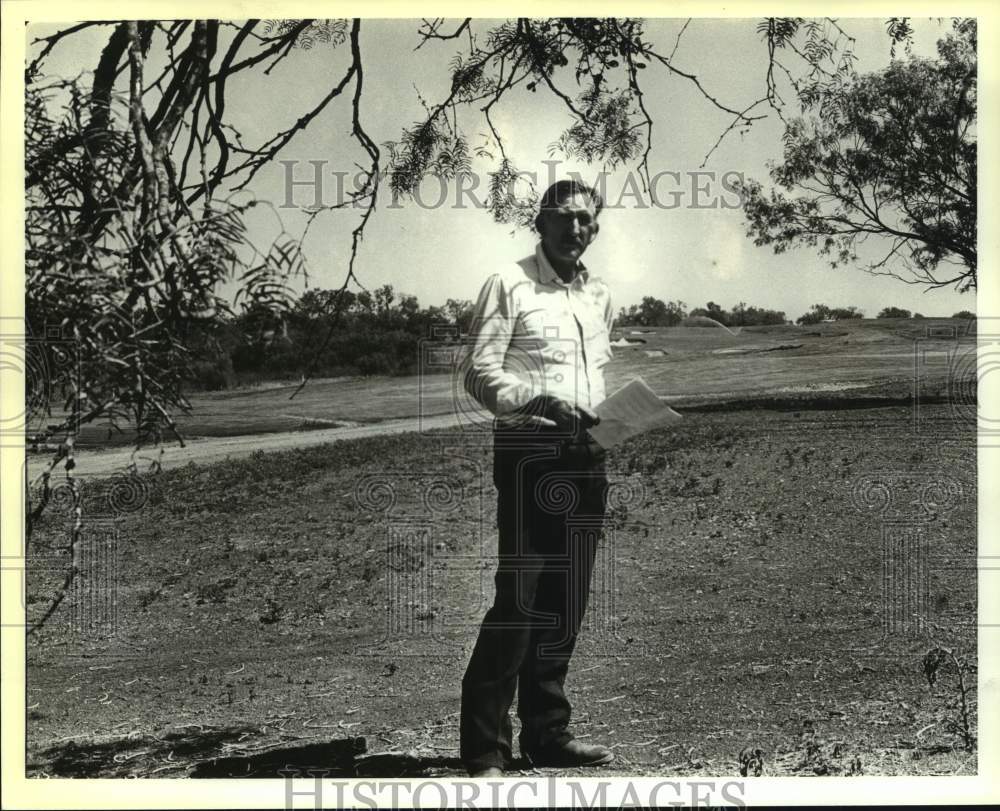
[534,334]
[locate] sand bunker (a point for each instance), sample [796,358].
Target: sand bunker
[818,387]
[746,350]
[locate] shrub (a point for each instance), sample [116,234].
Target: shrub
[894,312]
[376,363]
[213,374]
[820,312]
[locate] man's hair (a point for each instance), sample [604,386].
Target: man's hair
[562,189]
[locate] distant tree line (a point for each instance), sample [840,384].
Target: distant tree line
[741,315]
[379,333]
[820,312]
[899,312]
[652,312]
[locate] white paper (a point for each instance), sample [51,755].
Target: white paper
[631,410]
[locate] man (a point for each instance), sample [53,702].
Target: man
[541,339]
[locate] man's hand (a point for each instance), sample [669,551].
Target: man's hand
[580,449]
[568,418]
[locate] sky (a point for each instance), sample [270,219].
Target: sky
[442,251]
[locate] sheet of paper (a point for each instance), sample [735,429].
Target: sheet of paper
[631,410]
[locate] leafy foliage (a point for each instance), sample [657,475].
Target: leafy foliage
[120,258]
[741,315]
[894,312]
[126,291]
[332,32]
[506,201]
[821,312]
[655,313]
[609,122]
[900,32]
[377,333]
[891,154]
[652,312]
[608,134]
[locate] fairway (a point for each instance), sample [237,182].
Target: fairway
[878,358]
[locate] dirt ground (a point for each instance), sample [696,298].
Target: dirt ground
[756,587]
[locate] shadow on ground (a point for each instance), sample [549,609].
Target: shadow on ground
[336,758]
[135,755]
[231,752]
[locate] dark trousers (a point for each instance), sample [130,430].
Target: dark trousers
[550,505]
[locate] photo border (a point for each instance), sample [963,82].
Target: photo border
[177,793]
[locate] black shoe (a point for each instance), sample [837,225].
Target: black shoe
[572,753]
[485,772]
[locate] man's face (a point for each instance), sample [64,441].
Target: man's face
[568,229]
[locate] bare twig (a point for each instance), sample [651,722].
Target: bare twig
[431,30]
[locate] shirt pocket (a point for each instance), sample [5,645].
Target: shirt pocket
[549,329]
[536,323]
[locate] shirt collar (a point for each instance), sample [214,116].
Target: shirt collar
[547,273]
